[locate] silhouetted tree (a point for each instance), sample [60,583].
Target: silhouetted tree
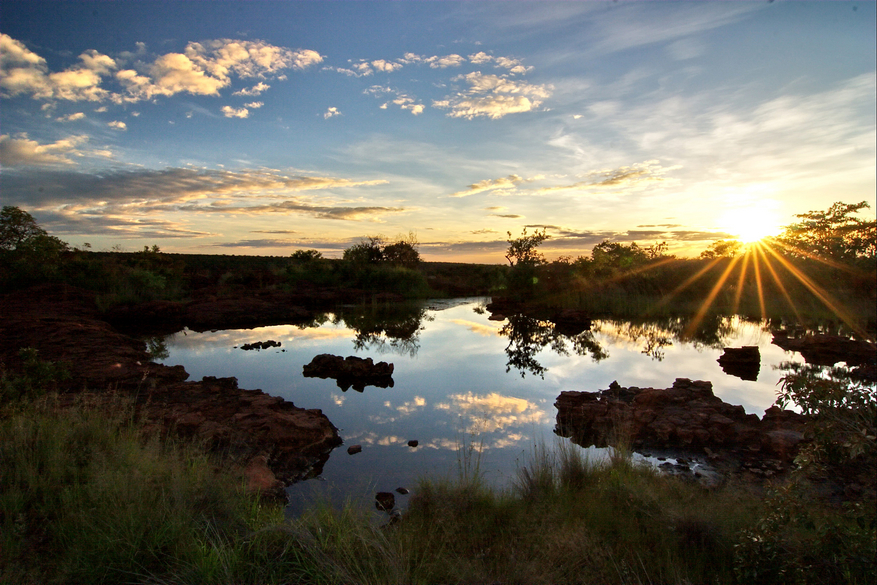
[723,249]
[834,234]
[523,250]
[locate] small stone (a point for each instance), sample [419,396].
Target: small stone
[354,449]
[412,443]
[401,490]
[384,501]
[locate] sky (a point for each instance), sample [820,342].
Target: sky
[266,127]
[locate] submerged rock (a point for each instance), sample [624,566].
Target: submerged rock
[350,371]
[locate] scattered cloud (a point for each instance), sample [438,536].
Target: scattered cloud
[255,105]
[71,117]
[446,61]
[636,176]
[24,72]
[201,69]
[490,185]
[117,125]
[230,112]
[331,113]
[25,152]
[404,101]
[257,89]
[163,190]
[493,96]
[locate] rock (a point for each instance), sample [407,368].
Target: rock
[260,345]
[571,322]
[743,362]
[827,350]
[403,491]
[261,480]
[354,449]
[413,443]
[385,501]
[350,371]
[687,416]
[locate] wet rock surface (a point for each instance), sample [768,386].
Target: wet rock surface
[266,434]
[350,372]
[687,416]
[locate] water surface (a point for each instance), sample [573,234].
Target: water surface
[463,379]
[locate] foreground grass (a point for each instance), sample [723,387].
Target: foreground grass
[87,496]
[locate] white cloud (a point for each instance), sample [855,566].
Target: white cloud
[201,69]
[26,152]
[230,112]
[257,89]
[255,105]
[117,125]
[25,72]
[331,113]
[493,96]
[386,66]
[71,117]
[446,61]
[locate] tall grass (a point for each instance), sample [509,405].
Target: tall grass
[87,495]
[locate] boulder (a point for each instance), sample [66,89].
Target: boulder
[350,371]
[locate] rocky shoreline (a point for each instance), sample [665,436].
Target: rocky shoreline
[274,442]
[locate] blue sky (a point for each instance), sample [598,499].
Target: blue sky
[266,127]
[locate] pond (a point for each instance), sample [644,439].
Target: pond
[462,380]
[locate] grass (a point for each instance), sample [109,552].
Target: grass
[87,495]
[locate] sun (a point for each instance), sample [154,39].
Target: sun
[750,224]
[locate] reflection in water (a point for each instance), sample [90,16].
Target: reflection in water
[488,413]
[386,328]
[528,336]
[451,388]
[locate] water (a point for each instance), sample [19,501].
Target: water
[462,380]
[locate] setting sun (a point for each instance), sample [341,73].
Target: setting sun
[750,224]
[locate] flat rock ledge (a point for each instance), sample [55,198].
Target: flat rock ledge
[687,416]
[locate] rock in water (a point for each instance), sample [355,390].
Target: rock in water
[743,362]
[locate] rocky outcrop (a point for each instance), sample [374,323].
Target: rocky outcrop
[294,442]
[827,350]
[743,362]
[350,371]
[266,435]
[687,416]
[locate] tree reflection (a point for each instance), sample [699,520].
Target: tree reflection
[529,335]
[386,328]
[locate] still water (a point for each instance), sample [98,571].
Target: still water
[462,379]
